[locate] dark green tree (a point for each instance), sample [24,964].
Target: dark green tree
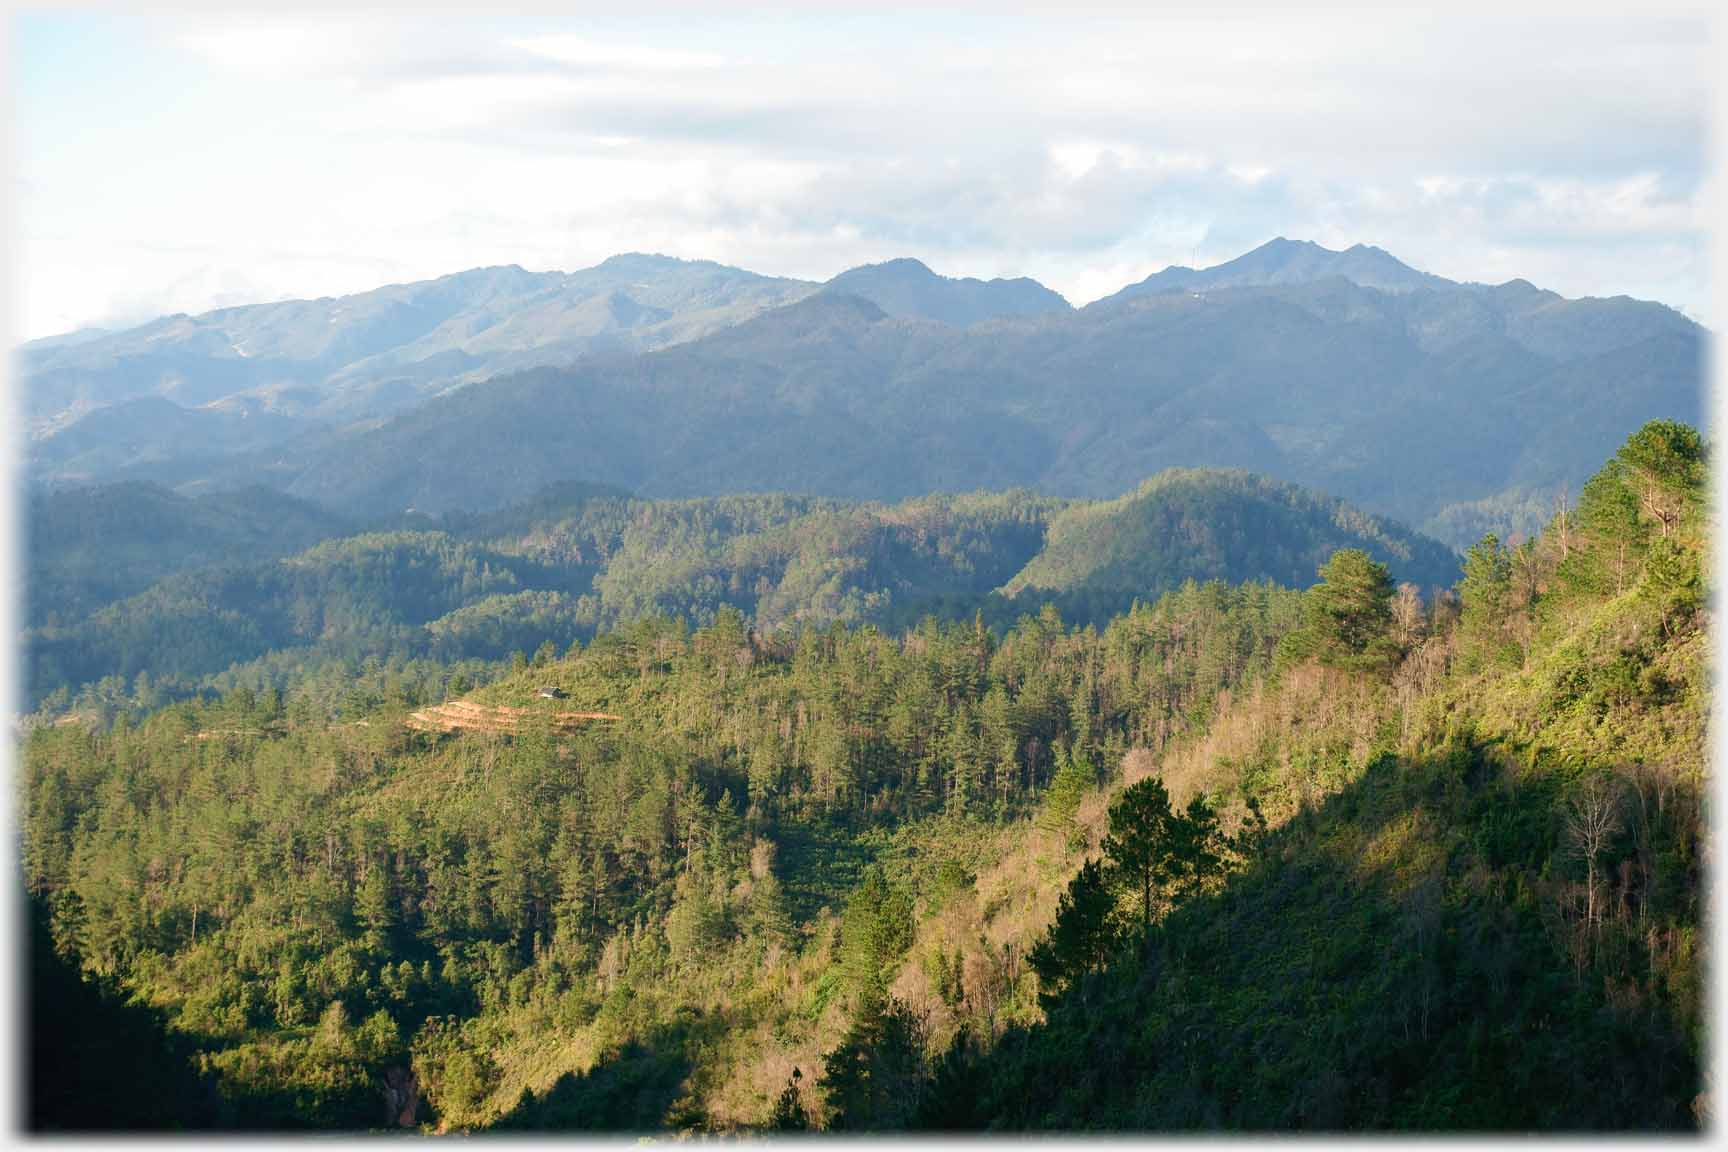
[1156,852]
[1082,937]
[1074,775]
[789,1114]
[1663,463]
[1486,593]
[1141,843]
[874,934]
[876,1077]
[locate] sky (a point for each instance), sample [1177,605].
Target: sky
[177,163]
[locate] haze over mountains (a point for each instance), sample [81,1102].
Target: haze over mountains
[350,357]
[1448,405]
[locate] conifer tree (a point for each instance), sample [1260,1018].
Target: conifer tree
[1082,937]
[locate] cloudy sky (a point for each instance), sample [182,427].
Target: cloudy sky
[182,163]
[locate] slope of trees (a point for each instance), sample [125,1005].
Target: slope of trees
[87,547]
[328,902]
[1242,857]
[1490,922]
[581,560]
[1195,524]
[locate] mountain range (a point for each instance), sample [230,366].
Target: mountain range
[1448,405]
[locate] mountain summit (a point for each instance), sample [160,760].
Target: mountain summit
[1281,261]
[908,288]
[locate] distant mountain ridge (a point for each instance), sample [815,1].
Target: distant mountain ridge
[337,361]
[1349,372]
[351,357]
[1404,404]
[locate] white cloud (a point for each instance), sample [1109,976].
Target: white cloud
[325,153]
[576,50]
[280,47]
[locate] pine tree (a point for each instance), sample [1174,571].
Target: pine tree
[1347,616]
[1141,843]
[1082,937]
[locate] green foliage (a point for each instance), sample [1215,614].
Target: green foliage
[877,1076]
[1487,609]
[435,887]
[454,1075]
[1491,928]
[1160,855]
[1652,490]
[87,547]
[789,1114]
[1192,524]
[1085,933]
[1347,616]
[875,933]
[81,1038]
[1434,890]
[1073,778]
[565,567]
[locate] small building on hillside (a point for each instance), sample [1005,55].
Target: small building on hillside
[551,693]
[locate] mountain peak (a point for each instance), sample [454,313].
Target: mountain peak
[1284,261]
[902,266]
[907,287]
[643,260]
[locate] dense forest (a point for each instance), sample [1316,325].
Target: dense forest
[703,840]
[578,560]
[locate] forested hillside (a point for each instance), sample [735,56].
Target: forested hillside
[1478,904]
[579,559]
[88,547]
[1196,524]
[1364,855]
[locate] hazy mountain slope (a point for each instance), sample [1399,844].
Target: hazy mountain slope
[1282,261]
[87,547]
[791,400]
[353,357]
[1416,400]
[149,431]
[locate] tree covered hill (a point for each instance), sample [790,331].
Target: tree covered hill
[579,559]
[1193,524]
[1478,905]
[1245,858]
[87,547]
